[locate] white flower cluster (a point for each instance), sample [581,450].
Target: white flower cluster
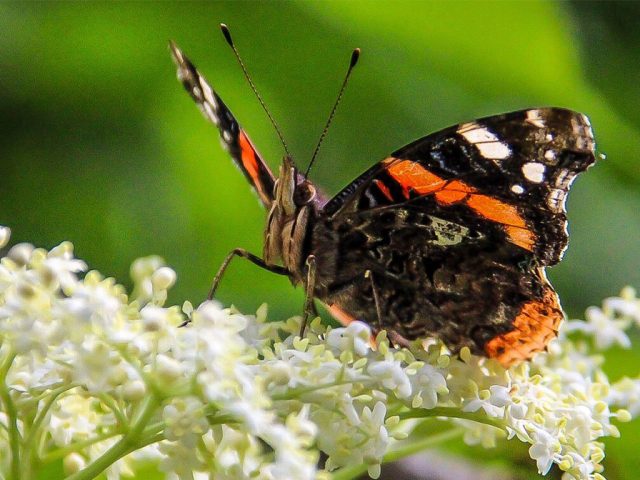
[102,381]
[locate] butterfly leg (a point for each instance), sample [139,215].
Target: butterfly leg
[369,274]
[395,338]
[310,284]
[241,252]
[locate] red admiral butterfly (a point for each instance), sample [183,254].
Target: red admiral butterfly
[448,236]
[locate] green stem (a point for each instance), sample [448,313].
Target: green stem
[30,443]
[450,412]
[42,414]
[407,449]
[411,448]
[129,442]
[75,447]
[33,401]
[111,405]
[297,392]
[12,417]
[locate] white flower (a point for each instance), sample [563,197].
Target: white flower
[60,265]
[163,278]
[352,446]
[354,337]
[492,401]
[427,383]
[605,330]
[5,236]
[391,376]
[74,418]
[626,394]
[21,253]
[545,450]
[626,305]
[73,463]
[184,416]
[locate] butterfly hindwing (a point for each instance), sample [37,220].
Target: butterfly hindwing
[233,137]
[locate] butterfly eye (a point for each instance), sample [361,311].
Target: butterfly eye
[304,194]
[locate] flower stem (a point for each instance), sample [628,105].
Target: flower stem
[450,412]
[76,447]
[129,442]
[12,417]
[406,449]
[34,432]
[298,392]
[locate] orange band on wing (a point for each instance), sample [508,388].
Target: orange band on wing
[345,319]
[521,236]
[496,210]
[384,189]
[501,212]
[339,314]
[447,196]
[414,177]
[533,328]
[250,163]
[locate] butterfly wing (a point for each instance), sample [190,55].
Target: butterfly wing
[233,137]
[514,169]
[456,229]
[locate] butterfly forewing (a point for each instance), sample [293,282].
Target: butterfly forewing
[233,137]
[513,169]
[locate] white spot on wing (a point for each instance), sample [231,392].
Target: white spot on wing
[535,118]
[565,178]
[486,142]
[210,113]
[494,150]
[208,94]
[533,171]
[556,200]
[478,134]
[517,189]
[550,155]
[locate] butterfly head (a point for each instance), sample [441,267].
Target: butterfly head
[292,190]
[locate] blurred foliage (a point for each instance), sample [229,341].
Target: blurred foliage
[101,146]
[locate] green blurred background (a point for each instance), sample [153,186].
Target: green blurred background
[100,145]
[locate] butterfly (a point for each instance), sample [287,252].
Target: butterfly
[447,237]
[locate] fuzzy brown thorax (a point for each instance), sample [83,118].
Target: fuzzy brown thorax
[288,220]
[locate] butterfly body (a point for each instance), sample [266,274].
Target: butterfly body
[447,237]
[292,213]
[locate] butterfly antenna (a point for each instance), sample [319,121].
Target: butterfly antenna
[227,36]
[354,60]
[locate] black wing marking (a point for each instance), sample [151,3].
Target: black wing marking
[516,164]
[233,137]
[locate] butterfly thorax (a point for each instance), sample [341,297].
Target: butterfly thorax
[289,219]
